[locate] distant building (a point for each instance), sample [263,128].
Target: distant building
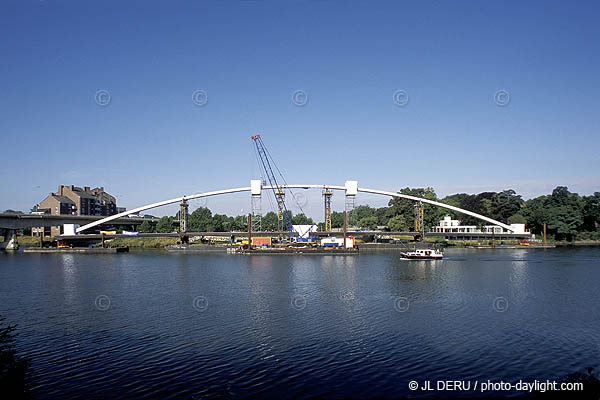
[74,200]
[449,225]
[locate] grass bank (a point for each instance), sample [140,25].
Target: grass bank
[139,242]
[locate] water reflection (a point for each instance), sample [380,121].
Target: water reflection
[344,333]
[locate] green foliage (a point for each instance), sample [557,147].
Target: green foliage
[362,212]
[200,220]
[517,219]
[141,242]
[164,225]
[269,222]
[301,219]
[145,227]
[222,223]
[563,212]
[591,212]
[505,204]
[406,208]
[398,224]
[383,215]
[337,219]
[367,222]
[240,223]
[14,370]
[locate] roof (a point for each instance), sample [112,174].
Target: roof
[82,193]
[63,199]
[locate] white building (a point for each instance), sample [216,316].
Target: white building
[449,225]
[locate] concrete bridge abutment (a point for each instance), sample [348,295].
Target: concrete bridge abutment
[10,239]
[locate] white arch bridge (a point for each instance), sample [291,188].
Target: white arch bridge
[350,188]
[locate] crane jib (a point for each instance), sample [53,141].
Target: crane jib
[275,187]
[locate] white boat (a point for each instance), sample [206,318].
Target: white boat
[425,254]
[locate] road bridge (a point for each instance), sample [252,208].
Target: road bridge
[11,222]
[21,221]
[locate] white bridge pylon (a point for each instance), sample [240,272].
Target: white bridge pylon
[332,187]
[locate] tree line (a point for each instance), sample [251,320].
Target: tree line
[568,216]
[202,220]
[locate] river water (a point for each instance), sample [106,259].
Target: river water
[163,325]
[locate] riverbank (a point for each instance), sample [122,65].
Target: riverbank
[141,243]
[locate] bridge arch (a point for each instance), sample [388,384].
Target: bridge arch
[331,187]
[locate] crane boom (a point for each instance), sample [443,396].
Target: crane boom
[277,189]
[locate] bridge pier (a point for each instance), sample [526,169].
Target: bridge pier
[351,192]
[10,239]
[183,216]
[255,193]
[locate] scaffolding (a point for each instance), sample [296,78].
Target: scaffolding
[327,193]
[349,208]
[183,216]
[419,219]
[256,212]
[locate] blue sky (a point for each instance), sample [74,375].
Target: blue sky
[151,142]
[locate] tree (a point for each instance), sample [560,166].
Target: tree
[367,222]
[563,212]
[517,219]
[406,207]
[240,223]
[398,224]
[591,212]
[505,204]
[14,370]
[383,215]
[536,214]
[475,204]
[566,213]
[337,219]
[361,212]
[164,225]
[269,222]
[145,227]
[301,219]
[200,220]
[221,223]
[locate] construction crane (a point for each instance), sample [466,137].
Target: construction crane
[283,216]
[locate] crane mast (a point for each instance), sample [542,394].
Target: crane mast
[282,213]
